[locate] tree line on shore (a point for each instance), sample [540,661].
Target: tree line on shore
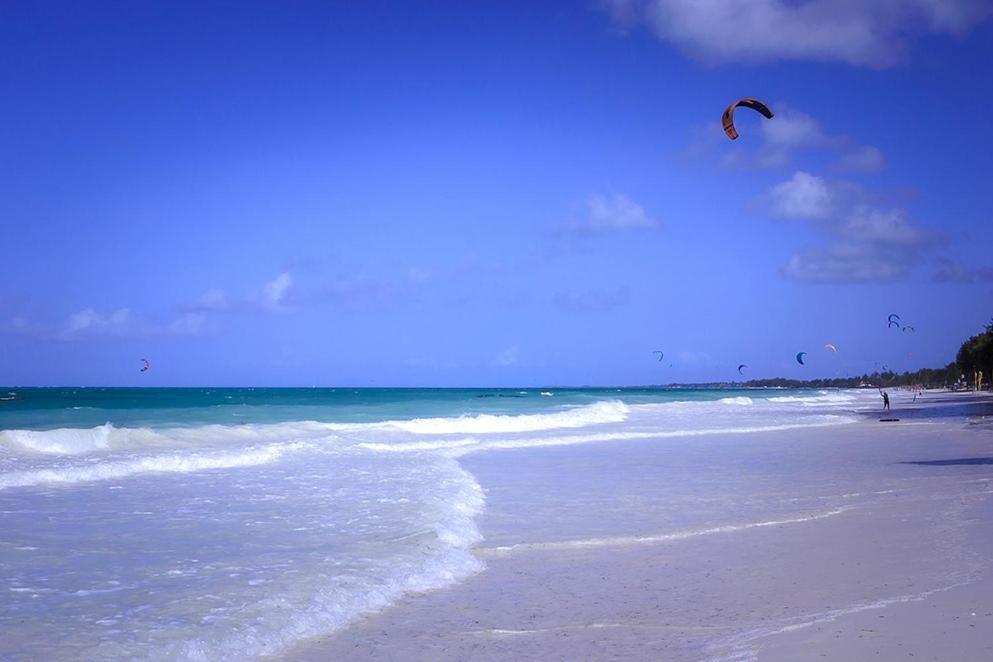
[974,359]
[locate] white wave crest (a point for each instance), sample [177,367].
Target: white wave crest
[79,441]
[740,400]
[459,447]
[816,400]
[172,463]
[63,441]
[612,411]
[412,446]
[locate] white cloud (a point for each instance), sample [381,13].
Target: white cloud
[892,226]
[862,242]
[792,132]
[612,214]
[213,299]
[188,324]
[953,271]
[617,212]
[871,33]
[89,321]
[273,295]
[849,262]
[802,196]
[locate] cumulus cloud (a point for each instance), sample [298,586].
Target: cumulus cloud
[606,214]
[793,132]
[849,262]
[189,324]
[272,297]
[872,34]
[91,323]
[195,319]
[863,242]
[802,196]
[948,270]
[274,293]
[212,300]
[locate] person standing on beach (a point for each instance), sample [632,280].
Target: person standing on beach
[886,400]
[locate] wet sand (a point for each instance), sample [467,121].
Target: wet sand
[878,545]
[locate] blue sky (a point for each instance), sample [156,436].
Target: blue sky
[489,193]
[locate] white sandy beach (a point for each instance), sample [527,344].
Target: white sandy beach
[862,554]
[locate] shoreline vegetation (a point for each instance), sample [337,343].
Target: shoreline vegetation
[971,370]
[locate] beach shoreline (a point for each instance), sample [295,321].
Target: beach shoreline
[574,569]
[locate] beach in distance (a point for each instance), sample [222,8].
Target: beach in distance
[438,524]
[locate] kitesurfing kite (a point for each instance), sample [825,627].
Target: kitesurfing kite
[799,357]
[145,365]
[831,347]
[727,120]
[909,328]
[893,320]
[660,355]
[740,367]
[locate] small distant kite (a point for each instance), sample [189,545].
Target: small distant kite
[893,320]
[909,328]
[661,355]
[740,368]
[145,365]
[831,347]
[727,120]
[799,357]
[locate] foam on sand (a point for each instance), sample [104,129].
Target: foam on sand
[620,541]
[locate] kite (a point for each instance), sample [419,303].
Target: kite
[799,357]
[145,365]
[831,347]
[909,328]
[740,367]
[892,320]
[727,120]
[660,355]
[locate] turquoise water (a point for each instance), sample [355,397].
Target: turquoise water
[233,523]
[48,408]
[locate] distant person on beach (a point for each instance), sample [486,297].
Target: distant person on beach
[886,400]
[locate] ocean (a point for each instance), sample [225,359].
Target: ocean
[229,523]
